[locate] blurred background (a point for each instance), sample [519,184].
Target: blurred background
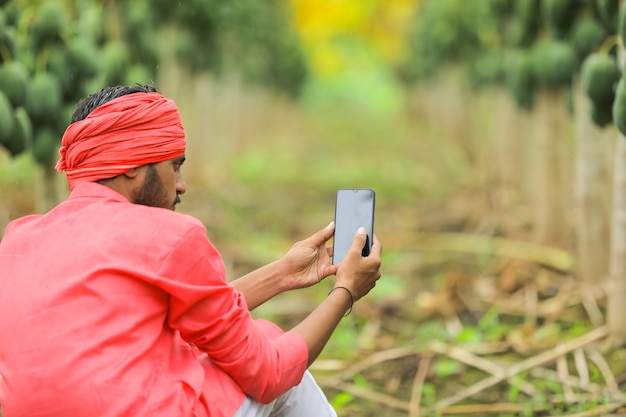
[491,131]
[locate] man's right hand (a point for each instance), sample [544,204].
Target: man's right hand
[359,273]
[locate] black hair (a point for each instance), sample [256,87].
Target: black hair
[97,99]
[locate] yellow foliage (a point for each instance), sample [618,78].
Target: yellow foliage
[380,24]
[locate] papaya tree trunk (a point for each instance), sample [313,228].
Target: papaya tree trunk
[592,192]
[616,291]
[550,173]
[616,312]
[511,152]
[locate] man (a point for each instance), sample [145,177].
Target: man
[113,304]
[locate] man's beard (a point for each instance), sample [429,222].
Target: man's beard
[153,193]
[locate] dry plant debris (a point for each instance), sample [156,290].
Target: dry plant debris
[574,372]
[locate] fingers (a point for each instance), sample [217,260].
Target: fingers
[377,249]
[329,270]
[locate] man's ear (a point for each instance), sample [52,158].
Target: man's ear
[132,174]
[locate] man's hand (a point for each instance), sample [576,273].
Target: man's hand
[308,261]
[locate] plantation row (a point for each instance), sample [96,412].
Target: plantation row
[53,53]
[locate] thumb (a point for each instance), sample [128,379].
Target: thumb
[322,236]
[360,238]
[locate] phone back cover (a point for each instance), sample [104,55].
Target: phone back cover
[353,208]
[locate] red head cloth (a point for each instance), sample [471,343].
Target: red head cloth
[122,134]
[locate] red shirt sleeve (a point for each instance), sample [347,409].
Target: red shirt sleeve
[214,316]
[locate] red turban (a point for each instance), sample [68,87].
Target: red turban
[127,132]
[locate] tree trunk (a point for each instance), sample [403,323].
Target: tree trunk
[550,156]
[616,295]
[616,312]
[511,155]
[594,165]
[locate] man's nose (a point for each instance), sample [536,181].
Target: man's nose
[181,187]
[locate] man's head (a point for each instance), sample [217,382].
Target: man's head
[97,99]
[129,138]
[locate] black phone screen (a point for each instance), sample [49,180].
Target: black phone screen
[353,208]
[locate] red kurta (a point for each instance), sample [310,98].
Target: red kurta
[109,308]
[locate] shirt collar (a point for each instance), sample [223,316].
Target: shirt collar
[93,189]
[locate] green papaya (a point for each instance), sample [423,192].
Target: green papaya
[587,36]
[486,69]
[12,13]
[619,106]
[48,23]
[23,135]
[598,76]
[83,57]
[601,113]
[525,23]
[7,119]
[14,82]
[560,15]
[520,79]
[45,146]
[44,97]
[554,64]
[7,43]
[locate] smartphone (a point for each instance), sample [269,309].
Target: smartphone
[354,207]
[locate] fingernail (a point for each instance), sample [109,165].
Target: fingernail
[361,230]
[330,225]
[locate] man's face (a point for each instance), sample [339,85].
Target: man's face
[162,184]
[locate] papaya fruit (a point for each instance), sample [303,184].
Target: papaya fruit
[587,36]
[44,97]
[14,82]
[45,146]
[83,57]
[8,43]
[7,119]
[486,69]
[23,136]
[520,79]
[599,75]
[554,64]
[559,15]
[48,23]
[619,106]
[525,25]
[601,113]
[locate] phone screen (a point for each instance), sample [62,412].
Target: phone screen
[353,208]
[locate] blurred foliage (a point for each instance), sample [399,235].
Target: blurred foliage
[527,45]
[253,39]
[444,32]
[353,54]
[53,53]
